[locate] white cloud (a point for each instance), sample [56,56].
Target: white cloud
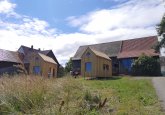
[129,20]
[133,14]
[7,8]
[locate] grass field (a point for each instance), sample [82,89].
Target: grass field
[69,96]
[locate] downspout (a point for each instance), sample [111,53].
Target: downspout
[119,52]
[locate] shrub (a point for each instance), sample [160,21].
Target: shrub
[146,66]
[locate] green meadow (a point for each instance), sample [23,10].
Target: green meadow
[70,96]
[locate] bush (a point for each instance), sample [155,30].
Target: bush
[61,71]
[146,66]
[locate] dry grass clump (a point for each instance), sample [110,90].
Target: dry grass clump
[38,95]
[22,94]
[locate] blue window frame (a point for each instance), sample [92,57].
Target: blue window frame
[88,66]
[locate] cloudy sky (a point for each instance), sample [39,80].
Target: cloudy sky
[64,25]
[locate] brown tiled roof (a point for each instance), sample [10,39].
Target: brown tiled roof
[137,47]
[111,49]
[9,56]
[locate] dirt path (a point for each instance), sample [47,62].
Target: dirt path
[159,84]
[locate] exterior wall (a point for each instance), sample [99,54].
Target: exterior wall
[4,64]
[93,59]
[76,64]
[125,65]
[115,65]
[51,54]
[101,67]
[97,65]
[46,68]
[9,68]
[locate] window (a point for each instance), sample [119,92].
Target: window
[88,66]
[88,54]
[105,67]
[49,73]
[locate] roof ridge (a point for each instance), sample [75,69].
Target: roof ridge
[9,51]
[99,43]
[139,38]
[120,40]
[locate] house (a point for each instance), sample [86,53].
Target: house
[122,53]
[95,64]
[111,49]
[10,62]
[39,62]
[132,49]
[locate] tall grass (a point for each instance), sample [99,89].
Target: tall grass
[38,95]
[68,96]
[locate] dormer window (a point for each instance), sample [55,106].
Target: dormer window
[36,59]
[88,54]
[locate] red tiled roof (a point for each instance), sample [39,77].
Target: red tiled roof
[137,47]
[132,54]
[139,44]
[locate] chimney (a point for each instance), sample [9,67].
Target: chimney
[32,47]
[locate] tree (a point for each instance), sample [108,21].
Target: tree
[146,66]
[68,66]
[61,71]
[161,33]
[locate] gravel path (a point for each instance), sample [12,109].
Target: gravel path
[159,84]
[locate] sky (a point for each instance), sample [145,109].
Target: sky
[64,25]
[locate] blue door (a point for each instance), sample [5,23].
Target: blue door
[36,70]
[126,65]
[88,66]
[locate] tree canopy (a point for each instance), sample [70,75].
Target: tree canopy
[161,33]
[68,66]
[146,66]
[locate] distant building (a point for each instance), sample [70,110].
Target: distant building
[31,60]
[122,53]
[39,62]
[10,62]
